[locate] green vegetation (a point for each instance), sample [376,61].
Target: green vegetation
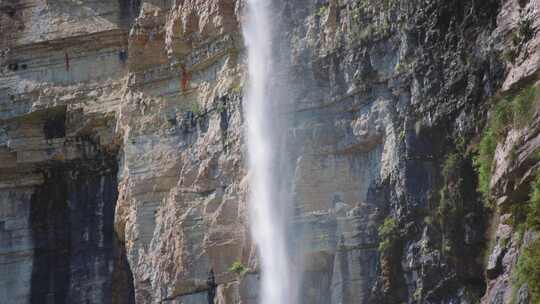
[446,246]
[522,35]
[388,233]
[501,119]
[461,144]
[523,106]
[321,11]
[451,208]
[428,220]
[355,16]
[237,88]
[518,216]
[527,217]
[513,154]
[370,21]
[515,111]
[238,268]
[525,31]
[449,169]
[402,135]
[512,112]
[510,55]
[196,109]
[483,162]
[533,210]
[220,107]
[417,295]
[528,271]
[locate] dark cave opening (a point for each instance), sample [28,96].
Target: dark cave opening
[55,125]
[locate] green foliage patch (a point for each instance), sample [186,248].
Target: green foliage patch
[237,88]
[533,212]
[525,30]
[528,270]
[220,107]
[196,109]
[238,268]
[520,36]
[501,118]
[388,233]
[483,162]
[527,217]
[321,11]
[516,111]
[523,106]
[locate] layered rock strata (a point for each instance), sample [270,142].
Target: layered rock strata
[122,155]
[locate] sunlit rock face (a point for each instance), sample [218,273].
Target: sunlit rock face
[61,84]
[123,174]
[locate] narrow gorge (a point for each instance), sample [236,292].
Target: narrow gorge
[270,151]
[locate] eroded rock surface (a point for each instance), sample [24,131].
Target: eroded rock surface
[122,153]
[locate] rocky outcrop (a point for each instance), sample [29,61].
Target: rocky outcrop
[122,172]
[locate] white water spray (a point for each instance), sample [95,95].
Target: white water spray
[268,216]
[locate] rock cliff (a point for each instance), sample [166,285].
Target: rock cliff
[413,140]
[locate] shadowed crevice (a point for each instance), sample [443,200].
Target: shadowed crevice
[77,256]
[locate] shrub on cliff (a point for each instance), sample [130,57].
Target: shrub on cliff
[533,212]
[238,268]
[501,118]
[515,111]
[528,270]
[387,234]
[484,160]
[528,266]
[523,106]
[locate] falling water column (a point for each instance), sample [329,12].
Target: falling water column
[268,216]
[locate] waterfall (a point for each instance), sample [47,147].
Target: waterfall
[268,209]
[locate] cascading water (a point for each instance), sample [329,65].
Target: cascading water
[268,209]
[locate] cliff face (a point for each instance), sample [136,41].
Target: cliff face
[122,172]
[60,90]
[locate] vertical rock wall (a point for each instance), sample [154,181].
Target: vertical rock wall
[122,157]
[61,84]
[72,220]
